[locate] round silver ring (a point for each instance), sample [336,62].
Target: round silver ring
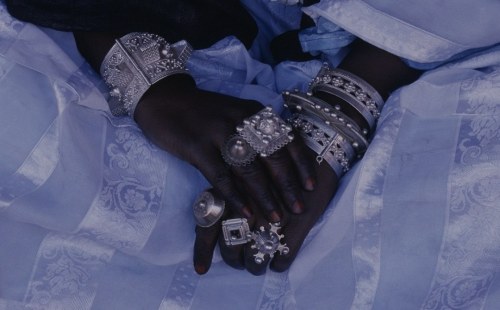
[208,208]
[237,152]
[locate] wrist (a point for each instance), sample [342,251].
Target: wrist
[137,61]
[166,91]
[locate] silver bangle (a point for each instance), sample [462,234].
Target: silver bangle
[135,62]
[308,105]
[350,88]
[326,142]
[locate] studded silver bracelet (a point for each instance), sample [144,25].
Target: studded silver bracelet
[329,144]
[351,89]
[135,62]
[316,108]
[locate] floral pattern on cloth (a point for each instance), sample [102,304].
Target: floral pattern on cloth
[470,254]
[126,209]
[66,272]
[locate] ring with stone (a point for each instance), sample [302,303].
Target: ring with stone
[236,231]
[208,208]
[266,132]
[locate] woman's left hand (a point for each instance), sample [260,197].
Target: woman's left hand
[294,228]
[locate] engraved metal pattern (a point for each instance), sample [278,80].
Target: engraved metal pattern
[326,142]
[265,132]
[268,242]
[350,88]
[314,107]
[135,62]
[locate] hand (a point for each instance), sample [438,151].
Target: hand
[194,124]
[294,228]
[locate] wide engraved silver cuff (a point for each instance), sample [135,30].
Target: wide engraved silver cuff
[135,62]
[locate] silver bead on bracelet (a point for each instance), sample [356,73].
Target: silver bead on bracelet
[135,62]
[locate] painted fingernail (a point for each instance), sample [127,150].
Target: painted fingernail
[298,207]
[310,184]
[200,269]
[247,212]
[275,217]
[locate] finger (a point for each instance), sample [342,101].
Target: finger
[232,255]
[294,235]
[255,261]
[258,185]
[223,180]
[296,227]
[204,245]
[304,160]
[285,180]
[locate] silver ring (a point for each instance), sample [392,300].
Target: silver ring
[236,231]
[268,242]
[208,208]
[237,152]
[265,132]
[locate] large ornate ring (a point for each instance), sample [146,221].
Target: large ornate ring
[265,132]
[208,209]
[268,242]
[237,152]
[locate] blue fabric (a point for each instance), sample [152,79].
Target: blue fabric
[93,216]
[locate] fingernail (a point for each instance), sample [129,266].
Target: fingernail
[298,207]
[200,269]
[275,217]
[310,184]
[246,212]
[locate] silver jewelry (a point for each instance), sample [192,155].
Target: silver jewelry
[314,107]
[135,62]
[237,152]
[350,88]
[236,231]
[325,141]
[208,208]
[268,242]
[265,132]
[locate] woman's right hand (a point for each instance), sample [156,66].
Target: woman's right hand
[194,124]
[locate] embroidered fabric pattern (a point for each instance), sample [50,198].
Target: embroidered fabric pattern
[276,292]
[368,207]
[182,289]
[470,254]
[65,273]
[126,210]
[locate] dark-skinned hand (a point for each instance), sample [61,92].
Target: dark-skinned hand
[194,124]
[294,227]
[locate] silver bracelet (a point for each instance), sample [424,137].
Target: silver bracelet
[314,107]
[135,62]
[326,142]
[350,88]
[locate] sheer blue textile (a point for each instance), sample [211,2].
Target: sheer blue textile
[93,216]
